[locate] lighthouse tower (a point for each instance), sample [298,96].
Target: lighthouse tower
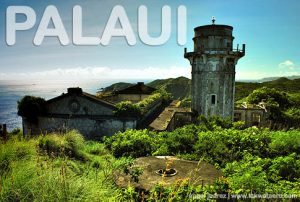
[213,64]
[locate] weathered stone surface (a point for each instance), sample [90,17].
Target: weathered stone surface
[91,128]
[213,70]
[91,116]
[197,172]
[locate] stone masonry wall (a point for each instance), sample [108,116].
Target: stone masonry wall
[91,129]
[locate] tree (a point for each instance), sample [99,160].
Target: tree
[31,107]
[276,101]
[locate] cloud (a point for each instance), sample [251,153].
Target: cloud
[288,64]
[146,73]
[250,75]
[92,73]
[256,75]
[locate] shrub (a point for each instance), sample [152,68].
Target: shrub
[239,125]
[128,109]
[147,102]
[248,175]
[270,95]
[186,102]
[284,143]
[285,168]
[281,107]
[69,144]
[292,116]
[214,121]
[134,143]
[181,140]
[31,107]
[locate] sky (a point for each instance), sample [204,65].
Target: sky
[269,28]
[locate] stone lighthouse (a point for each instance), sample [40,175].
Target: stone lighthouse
[213,64]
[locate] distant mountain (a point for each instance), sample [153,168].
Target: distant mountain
[276,78]
[180,87]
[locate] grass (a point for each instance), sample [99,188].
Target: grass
[65,167]
[56,168]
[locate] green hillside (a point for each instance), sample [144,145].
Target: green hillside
[117,86]
[292,87]
[66,167]
[180,87]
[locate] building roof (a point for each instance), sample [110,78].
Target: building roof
[79,93]
[162,122]
[245,106]
[213,26]
[139,88]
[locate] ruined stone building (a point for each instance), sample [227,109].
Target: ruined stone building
[252,115]
[91,116]
[213,62]
[213,70]
[133,93]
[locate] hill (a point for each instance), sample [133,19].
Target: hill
[289,86]
[180,87]
[275,78]
[117,86]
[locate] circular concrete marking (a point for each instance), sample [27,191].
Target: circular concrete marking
[198,173]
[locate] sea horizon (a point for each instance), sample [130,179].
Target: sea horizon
[12,91]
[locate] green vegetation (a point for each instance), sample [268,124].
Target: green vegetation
[64,167]
[108,91]
[70,145]
[281,84]
[58,167]
[252,160]
[31,107]
[117,86]
[283,110]
[129,109]
[179,87]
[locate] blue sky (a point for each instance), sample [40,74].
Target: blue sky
[269,28]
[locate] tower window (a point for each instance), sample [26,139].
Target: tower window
[213,99]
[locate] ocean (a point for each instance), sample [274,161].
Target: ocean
[12,91]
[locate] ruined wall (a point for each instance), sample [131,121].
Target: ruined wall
[180,119]
[132,97]
[251,117]
[127,97]
[77,105]
[213,83]
[91,129]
